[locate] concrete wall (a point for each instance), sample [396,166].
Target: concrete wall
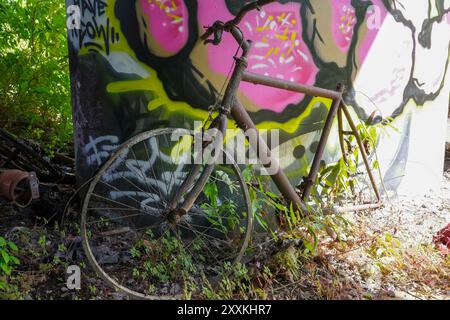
[138,65]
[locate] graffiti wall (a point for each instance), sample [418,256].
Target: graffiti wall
[138,65]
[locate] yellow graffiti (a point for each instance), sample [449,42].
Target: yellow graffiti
[161,100]
[166,9]
[283,36]
[286,35]
[170,109]
[347,20]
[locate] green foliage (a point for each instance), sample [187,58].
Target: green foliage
[34,87]
[7,260]
[294,225]
[211,192]
[234,282]
[258,195]
[339,179]
[224,215]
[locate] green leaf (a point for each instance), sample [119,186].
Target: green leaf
[6,269]
[226,179]
[211,192]
[376,165]
[13,246]
[314,234]
[332,177]
[5,257]
[293,214]
[309,246]
[247,174]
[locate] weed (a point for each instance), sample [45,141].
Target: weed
[8,261]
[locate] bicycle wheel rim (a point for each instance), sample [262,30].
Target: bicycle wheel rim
[84,232]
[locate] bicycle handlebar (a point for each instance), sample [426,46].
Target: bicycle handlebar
[230,26]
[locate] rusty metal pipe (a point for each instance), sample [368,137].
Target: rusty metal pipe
[290,86]
[11,182]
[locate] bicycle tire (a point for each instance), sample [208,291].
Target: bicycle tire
[115,162]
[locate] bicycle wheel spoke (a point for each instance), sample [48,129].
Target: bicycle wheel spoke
[190,213]
[171,176]
[113,201]
[147,227]
[144,177]
[203,233]
[152,169]
[223,258]
[149,193]
[210,228]
[162,175]
[121,192]
[186,248]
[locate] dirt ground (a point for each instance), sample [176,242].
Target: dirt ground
[384,254]
[396,258]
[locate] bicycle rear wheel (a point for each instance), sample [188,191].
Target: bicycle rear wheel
[128,237]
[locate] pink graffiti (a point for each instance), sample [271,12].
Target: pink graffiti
[374,21]
[343,22]
[278,50]
[168,21]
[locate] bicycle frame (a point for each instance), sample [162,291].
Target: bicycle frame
[338,109]
[232,106]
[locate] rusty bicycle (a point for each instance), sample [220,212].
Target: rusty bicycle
[156,223]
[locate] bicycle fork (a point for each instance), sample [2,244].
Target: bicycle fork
[175,213]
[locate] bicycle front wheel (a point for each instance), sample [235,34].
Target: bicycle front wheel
[126,233]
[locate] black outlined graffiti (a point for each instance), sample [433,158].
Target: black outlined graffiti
[186,75]
[95,32]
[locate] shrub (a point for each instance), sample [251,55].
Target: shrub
[34,86]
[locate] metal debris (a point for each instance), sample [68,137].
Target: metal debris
[19,187]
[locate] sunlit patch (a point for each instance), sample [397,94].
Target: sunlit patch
[375,16]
